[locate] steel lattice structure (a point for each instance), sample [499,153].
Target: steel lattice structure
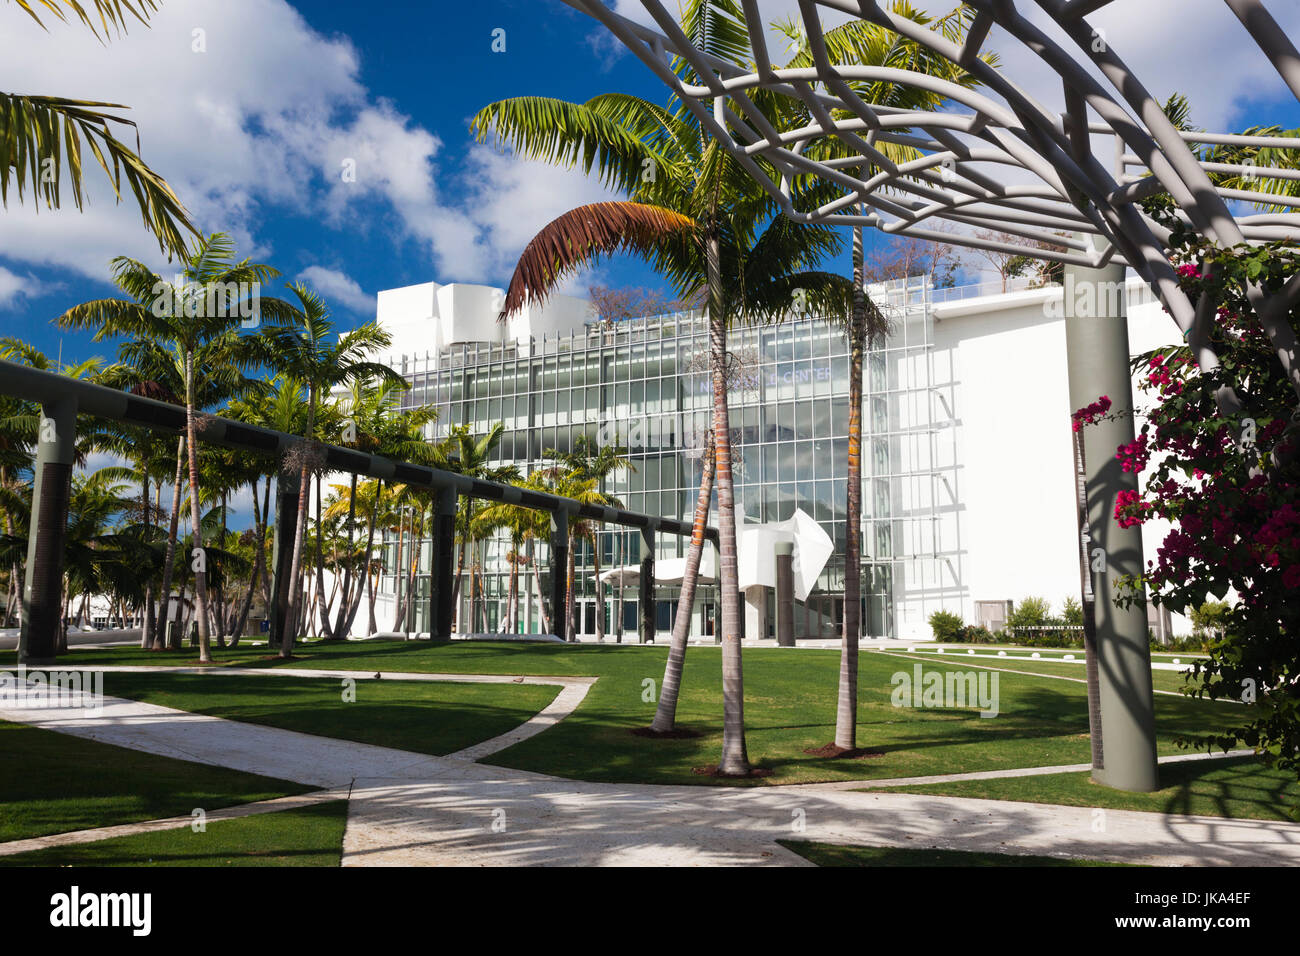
[1073,199]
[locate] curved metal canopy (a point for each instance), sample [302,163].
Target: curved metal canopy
[1057,192]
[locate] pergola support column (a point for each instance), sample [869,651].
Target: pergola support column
[1098,359]
[785,594]
[286,518]
[56,442]
[646,586]
[559,565]
[442,566]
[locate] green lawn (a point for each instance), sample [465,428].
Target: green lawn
[829,854]
[307,836]
[1240,788]
[789,707]
[1171,681]
[54,783]
[420,716]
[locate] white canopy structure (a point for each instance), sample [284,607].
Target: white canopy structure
[756,553]
[668,571]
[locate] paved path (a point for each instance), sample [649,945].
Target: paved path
[956,659]
[999,774]
[411,809]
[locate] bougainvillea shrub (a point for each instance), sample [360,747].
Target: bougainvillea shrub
[1226,475]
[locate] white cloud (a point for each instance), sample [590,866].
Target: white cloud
[272,116]
[338,288]
[510,199]
[14,287]
[230,127]
[263,118]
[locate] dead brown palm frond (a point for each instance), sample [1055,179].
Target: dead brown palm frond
[582,235]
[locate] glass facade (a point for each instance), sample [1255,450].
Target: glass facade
[644,384]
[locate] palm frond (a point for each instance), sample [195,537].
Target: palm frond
[38,134]
[581,236]
[111,13]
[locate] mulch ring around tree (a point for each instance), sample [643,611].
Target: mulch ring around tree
[677,733]
[832,752]
[711,770]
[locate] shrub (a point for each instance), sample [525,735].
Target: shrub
[1220,452]
[947,627]
[1072,612]
[1210,621]
[1031,612]
[977,634]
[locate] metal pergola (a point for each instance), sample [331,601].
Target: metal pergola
[61,399]
[997,159]
[1070,190]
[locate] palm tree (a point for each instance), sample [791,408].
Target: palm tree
[471,455]
[156,370]
[863,43]
[665,719]
[381,427]
[380,505]
[39,133]
[524,525]
[281,407]
[198,314]
[697,220]
[587,460]
[310,351]
[96,559]
[573,483]
[143,447]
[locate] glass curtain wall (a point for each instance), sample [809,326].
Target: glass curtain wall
[644,384]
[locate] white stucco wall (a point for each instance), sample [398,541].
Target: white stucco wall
[1015,482]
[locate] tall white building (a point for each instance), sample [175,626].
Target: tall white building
[968,484]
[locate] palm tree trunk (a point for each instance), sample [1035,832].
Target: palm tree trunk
[399,575]
[169,559]
[541,595]
[262,528]
[622,560]
[515,583]
[246,605]
[13,599]
[323,608]
[735,758]
[416,531]
[346,629]
[292,618]
[200,573]
[600,592]
[345,622]
[473,596]
[371,575]
[147,624]
[219,607]
[846,711]
[666,712]
[570,625]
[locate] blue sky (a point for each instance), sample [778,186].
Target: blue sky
[427,66]
[253,128]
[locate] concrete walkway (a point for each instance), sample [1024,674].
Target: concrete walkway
[412,809]
[998,774]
